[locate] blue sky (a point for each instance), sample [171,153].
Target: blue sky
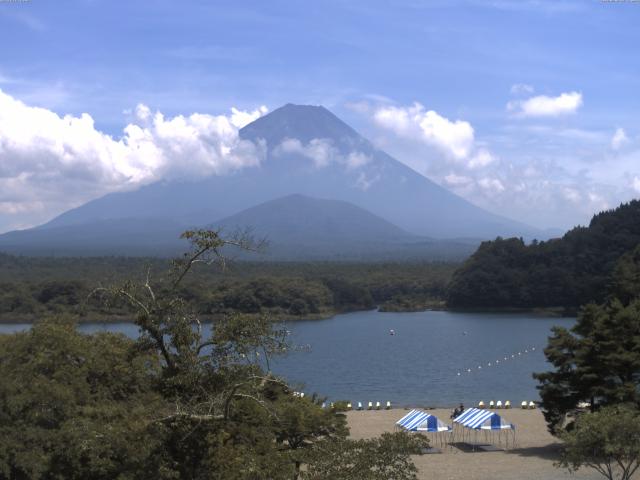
[527,108]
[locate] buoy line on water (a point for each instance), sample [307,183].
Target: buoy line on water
[497,362]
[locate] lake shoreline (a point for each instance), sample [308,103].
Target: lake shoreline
[6,319]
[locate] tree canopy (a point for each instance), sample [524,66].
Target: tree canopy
[607,441]
[566,272]
[597,361]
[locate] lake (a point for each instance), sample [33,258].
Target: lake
[426,362]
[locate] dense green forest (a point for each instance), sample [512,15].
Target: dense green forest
[565,272]
[32,287]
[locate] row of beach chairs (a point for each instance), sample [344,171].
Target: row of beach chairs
[507,404]
[370,406]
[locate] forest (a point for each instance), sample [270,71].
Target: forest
[33,287]
[565,272]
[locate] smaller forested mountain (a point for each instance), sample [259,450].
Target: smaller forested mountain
[565,272]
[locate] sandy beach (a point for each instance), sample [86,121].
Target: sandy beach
[531,459]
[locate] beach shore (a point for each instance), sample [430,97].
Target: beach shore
[532,458]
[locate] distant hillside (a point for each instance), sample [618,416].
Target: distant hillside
[300,227]
[566,272]
[113,236]
[296,227]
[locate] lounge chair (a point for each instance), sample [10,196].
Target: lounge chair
[370,406]
[524,404]
[507,404]
[499,404]
[532,405]
[349,406]
[377,405]
[359,405]
[388,407]
[480,404]
[492,404]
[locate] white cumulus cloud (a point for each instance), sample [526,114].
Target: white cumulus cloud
[619,139]
[49,163]
[545,106]
[455,138]
[322,152]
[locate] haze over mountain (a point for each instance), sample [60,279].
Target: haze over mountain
[308,151]
[300,227]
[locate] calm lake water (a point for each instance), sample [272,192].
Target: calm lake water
[354,357]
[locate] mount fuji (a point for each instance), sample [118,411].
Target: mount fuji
[309,153]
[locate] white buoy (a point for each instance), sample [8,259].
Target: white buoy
[468,370]
[458,373]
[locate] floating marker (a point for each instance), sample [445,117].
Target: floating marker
[458,373]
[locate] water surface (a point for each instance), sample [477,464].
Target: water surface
[354,357]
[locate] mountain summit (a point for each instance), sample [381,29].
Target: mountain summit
[312,152]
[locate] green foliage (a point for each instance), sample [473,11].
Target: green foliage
[597,361]
[31,288]
[171,404]
[625,284]
[75,406]
[607,441]
[383,458]
[566,272]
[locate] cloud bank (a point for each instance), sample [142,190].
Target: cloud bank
[520,169]
[49,163]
